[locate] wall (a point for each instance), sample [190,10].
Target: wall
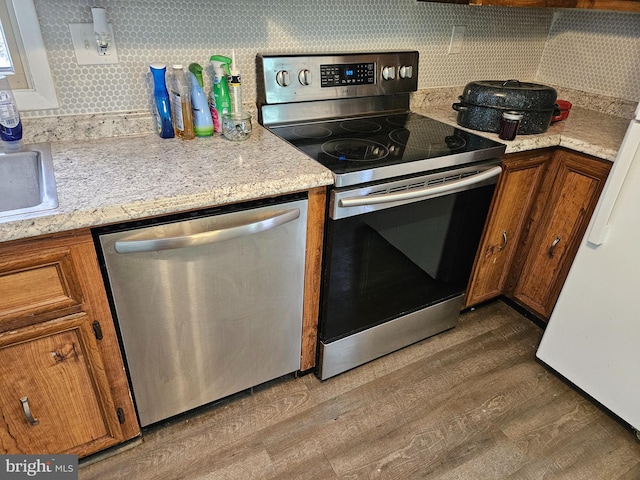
[593,51]
[499,42]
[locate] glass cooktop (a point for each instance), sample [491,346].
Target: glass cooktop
[364,149]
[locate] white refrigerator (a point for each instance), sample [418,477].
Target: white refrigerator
[593,335]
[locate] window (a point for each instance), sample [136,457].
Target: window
[22,52]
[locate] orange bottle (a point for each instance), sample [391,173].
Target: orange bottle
[181,104]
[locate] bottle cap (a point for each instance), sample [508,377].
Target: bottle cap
[13,146]
[512,116]
[177,66]
[233,67]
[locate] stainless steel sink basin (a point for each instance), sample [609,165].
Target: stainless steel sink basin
[27,183]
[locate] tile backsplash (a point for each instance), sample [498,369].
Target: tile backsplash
[596,52]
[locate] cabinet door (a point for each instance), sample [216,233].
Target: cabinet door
[516,189]
[521,3]
[55,396]
[624,5]
[560,224]
[526,3]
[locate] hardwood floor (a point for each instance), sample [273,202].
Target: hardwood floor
[471,403]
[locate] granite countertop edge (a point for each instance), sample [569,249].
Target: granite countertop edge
[123,178]
[119,179]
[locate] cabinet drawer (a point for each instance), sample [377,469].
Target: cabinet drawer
[38,287]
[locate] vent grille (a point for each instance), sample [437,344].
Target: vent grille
[424,183]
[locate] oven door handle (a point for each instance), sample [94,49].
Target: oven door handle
[211,236]
[420,192]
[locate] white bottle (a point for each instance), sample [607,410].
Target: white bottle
[235,87]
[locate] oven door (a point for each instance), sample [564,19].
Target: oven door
[393,251]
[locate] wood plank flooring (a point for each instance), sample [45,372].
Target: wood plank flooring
[471,403]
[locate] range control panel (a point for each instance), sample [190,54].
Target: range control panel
[302,78]
[350,74]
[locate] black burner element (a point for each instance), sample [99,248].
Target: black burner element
[311,131]
[426,142]
[360,126]
[355,150]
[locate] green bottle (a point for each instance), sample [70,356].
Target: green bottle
[220,101]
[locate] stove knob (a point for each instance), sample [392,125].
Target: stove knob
[283,78]
[304,76]
[406,71]
[388,73]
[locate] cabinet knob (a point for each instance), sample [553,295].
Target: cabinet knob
[553,246]
[27,411]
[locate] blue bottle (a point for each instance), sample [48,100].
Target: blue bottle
[10,123]
[162,109]
[202,121]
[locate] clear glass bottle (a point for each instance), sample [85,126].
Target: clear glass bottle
[181,104]
[10,123]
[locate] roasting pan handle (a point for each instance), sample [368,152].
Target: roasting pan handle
[513,80]
[459,107]
[419,193]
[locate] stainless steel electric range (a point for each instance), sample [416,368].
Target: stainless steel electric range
[408,205]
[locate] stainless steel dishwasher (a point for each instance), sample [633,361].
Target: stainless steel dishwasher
[207,306]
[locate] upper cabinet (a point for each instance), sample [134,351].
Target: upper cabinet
[527,3]
[624,5]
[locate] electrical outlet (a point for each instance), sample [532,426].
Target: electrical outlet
[457,35]
[84,44]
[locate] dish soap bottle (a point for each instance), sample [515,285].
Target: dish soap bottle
[202,122]
[162,110]
[235,87]
[220,100]
[181,104]
[10,123]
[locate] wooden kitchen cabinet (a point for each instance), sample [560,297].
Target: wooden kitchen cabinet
[542,206]
[512,3]
[516,190]
[63,388]
[558,222]
[621,5]
[527,3]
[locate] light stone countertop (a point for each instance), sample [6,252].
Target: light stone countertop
[585,131]
[121,178]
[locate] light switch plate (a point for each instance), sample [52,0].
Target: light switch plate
[84,44]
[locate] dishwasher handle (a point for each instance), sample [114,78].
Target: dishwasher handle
[204,238]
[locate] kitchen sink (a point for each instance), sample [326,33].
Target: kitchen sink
[27,183]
